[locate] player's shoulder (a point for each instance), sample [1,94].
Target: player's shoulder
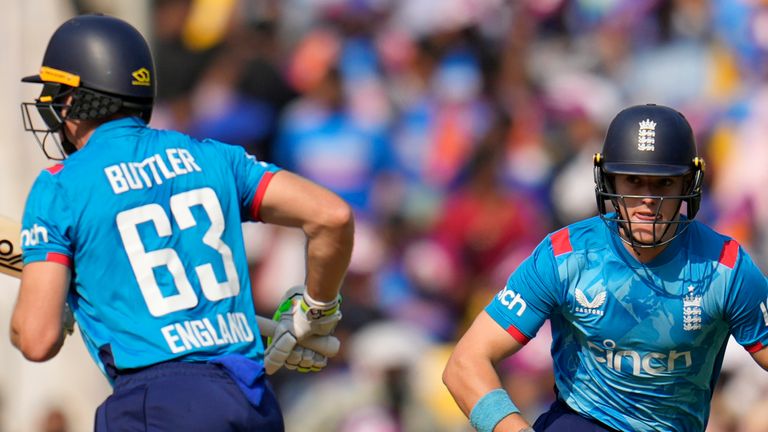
[712,245]
[49,183]
[50,174]
[172,138]
[584,235]
[211,147]
[208,151]
[52,170]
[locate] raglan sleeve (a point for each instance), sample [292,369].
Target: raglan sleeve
[529,296]
[252,177]
[747,304]
[47,223]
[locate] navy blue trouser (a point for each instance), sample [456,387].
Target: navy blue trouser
[190,397]
[562,418]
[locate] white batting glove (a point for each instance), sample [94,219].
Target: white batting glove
[305,360]
[299,320]
[313,317]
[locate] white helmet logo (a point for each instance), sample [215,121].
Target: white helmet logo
[646,136]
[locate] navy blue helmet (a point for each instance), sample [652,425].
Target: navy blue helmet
[649,140]
[104,63]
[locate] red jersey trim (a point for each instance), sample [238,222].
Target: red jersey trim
[729,253]
[59,258]
[561,242]
[755,347]
[517,335]
[259,195]
[55,169]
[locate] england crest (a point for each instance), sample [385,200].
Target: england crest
[691,311]
[646,135]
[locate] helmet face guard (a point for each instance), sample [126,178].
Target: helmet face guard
[648,140]
[49,134]
[604,191]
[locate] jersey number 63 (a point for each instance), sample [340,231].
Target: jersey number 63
[143,262]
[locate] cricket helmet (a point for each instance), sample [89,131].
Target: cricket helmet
[104,63]
[649,140]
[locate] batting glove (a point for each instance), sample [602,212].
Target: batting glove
[300,319]
[313,317]
[305,360]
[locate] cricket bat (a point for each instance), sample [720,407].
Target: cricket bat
[10,247]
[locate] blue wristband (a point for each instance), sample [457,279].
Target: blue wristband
[491,409]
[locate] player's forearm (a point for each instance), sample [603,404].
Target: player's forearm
[325,219]
[469,378]
[329,248]
[37,320]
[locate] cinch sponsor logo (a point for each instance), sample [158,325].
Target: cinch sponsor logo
[33,236]
[510,299]
[640,364]
[764,309]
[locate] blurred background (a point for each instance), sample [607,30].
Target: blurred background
[460,131]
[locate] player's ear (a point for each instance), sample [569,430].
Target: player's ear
[67,104]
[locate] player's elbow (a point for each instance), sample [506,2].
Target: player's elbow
[452,370]
[337,218]
[341,218]
[36,345]
[38,352]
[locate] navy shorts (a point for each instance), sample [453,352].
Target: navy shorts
[562,418]
[179,396]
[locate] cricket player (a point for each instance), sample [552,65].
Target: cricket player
[139,231]
[641,299]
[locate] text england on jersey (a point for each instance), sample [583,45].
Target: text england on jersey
[226,329]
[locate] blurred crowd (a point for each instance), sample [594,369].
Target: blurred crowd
[461,132]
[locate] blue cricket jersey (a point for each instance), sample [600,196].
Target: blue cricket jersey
[637,346]
[150,223]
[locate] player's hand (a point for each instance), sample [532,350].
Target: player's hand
[305,360]
[301,321]
[282,343]
[312,317]
[283,350]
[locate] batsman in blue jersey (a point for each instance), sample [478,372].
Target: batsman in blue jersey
[138,232]
[641,299]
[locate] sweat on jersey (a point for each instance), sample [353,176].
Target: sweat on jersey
[637,346]
[150,223]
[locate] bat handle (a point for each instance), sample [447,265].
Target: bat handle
[324,345]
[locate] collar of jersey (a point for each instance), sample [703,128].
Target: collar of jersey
[667,255]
